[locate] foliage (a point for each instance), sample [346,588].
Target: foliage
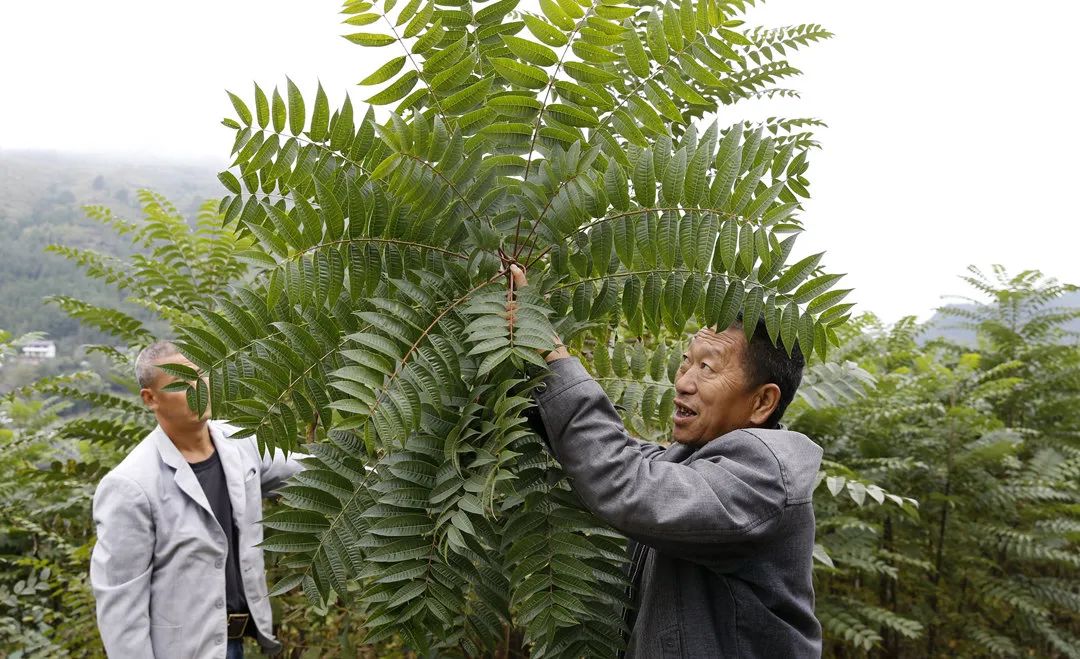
[61,434]
[44,194]
[45,602]
[382,328]
[173,277]
[1024,322]
[985,441]
[998,578]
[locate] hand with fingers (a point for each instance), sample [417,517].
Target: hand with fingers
[518,280]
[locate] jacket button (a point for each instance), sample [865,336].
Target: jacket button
[219,563]
[219,603]
[217,641]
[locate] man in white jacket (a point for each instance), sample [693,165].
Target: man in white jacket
[176,570]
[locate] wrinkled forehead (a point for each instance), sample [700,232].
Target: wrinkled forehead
[707,342]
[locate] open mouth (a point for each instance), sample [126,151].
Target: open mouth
[683,412]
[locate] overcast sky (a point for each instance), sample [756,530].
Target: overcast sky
[951,138]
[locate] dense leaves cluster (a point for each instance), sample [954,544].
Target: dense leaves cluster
[997,577]
[44,196]
[352,302]
[61,434]
[67,431]
[985,439]
[381,328]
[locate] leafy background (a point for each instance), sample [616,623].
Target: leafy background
[355,307]
[383,330]
[997,578]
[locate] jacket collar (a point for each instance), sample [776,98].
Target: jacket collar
[185,477]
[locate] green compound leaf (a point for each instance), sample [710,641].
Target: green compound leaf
[371,39]
[242,110]
[396,90]
[519,73]
[297,118]
[530,51]
[545,31]
[278,112]
[369,317]
[384,72]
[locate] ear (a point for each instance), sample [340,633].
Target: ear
[148,398]
[766,400]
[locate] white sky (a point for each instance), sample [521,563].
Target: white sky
[949,143]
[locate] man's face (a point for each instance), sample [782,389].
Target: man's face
[171,407]
[713,396]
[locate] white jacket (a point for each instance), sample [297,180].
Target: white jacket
[158,568]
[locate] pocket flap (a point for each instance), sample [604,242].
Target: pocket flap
[163,638]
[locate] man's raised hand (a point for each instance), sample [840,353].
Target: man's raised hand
[559,351]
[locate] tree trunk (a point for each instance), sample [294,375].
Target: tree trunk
[931,636]
[887,596]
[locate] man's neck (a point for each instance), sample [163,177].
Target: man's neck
[193,442]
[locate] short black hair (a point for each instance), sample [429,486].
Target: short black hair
[767,363]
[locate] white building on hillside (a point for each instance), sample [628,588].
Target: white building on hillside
[39,350]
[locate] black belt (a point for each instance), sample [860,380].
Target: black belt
[237,624]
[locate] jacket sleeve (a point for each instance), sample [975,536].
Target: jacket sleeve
[276,468]
[535,422]
[694,509]
[120,566]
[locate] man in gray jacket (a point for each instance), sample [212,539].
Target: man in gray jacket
[176,570]
[721,521]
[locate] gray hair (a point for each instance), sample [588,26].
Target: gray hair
[145,369]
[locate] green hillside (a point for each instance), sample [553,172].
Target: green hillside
[42,202]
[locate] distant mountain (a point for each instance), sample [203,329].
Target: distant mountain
[950,327]
[41,203]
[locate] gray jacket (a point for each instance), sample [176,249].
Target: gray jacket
[158,568]
[722,536]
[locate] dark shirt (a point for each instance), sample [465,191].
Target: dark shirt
[212,478]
